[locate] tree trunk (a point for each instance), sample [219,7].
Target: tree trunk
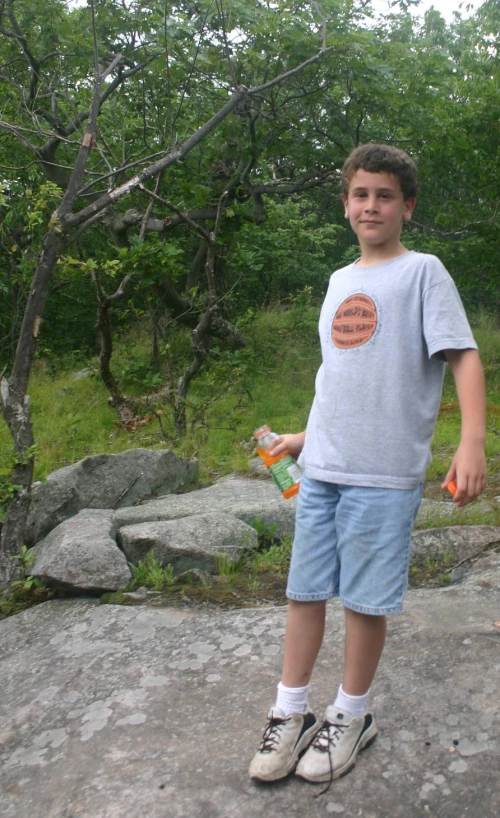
[155,347]
[16,408]
[121,403]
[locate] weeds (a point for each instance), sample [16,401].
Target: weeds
[151,574]
[266,533]
[433,572]
[275,559]
[226,567]
[25,592]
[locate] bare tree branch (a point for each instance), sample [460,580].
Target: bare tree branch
[220,9]
[17,34]
[283,77]
[149,208]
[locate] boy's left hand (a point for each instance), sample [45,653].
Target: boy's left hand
[468,470]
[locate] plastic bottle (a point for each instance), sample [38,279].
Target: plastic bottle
[284,470]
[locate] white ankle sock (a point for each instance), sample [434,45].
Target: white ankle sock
[292,699]
[356,705]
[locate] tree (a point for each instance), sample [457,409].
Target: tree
[70,219]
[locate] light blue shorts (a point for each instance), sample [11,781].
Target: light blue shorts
[353,542]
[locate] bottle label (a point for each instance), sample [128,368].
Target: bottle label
[285,472]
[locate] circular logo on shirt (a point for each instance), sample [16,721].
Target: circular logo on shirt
[355,322]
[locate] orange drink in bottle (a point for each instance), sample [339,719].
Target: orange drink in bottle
[283,467]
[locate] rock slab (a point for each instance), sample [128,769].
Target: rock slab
[240,497]
[455,541]
[111,711]
[81,554]
[199,541]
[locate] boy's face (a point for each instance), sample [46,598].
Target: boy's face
[376,208]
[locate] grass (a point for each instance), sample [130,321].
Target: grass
[72,418]
[473,514]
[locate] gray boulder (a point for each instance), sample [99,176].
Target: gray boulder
[241,497]
[464,542]
[105,481]
[81,553]
[194,542]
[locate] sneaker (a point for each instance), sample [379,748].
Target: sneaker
[285,739]
[333,751]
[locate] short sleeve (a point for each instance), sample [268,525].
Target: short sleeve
[445,324]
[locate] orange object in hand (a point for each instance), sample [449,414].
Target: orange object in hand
[452,487]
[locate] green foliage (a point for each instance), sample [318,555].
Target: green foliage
[276,558]
[25,560]
[265,532]
[291,252]
[433,572]
[226,567]
[28,583]
[41,203]
[151,574]
[394,79]
[8,489]
[140,374]
[72,418]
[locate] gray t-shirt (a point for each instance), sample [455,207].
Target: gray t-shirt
[383,330]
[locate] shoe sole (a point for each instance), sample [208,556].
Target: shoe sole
[299,751]
[367,739]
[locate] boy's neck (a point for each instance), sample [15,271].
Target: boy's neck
[371,256]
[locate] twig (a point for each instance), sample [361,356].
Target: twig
[323,24]
[126,491]
[204,234]
[472,556]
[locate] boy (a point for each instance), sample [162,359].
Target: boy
[388,324]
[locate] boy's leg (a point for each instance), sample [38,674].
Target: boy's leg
[305,627]
[312,579]
[373,527]
[347,727]
[291,726]
[364,643]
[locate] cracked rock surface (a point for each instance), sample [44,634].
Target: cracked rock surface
[110,711]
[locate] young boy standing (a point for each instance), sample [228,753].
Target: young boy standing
[388,324]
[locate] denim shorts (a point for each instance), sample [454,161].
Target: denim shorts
[353,542]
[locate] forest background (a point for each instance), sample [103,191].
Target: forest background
[173,168]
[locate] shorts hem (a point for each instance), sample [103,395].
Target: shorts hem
[378,611]
[317,597]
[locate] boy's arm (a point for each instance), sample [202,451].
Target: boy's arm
[468,467]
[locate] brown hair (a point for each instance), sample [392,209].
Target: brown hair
[381,159]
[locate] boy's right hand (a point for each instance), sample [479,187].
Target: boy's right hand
[288,443]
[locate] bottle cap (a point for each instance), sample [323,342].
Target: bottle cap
[452,487]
